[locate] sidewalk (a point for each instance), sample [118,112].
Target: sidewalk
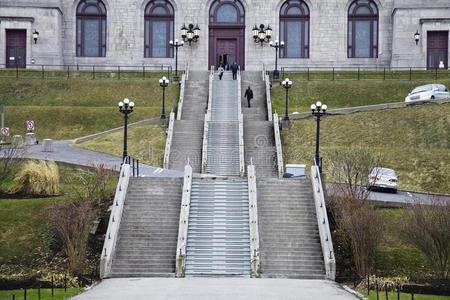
[215,289]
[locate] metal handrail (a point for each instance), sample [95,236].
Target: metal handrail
[322,221]
[241,126]
[184,222]
[276,130]
[253,221]
[268,99]
[169,140]
[181,99]
[206,122]
[114,221]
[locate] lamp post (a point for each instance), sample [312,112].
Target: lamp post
[276,46]
[318,110]
[125,107]
[35,36]
[163,82]
[287,84]
[176,45]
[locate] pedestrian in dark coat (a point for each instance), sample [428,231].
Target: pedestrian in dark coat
[234,69]
[220,72]
[249,95]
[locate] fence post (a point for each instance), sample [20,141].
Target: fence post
[333,73]
[53,286]
[410,73]
[412,296]
[137,168]
[358,73]
[376,286]
[384,73]
[14,297]
[307,73]
[39,292]
[68,71]
[17,70]
[398,291]
[118,68]
[65,282]
[24,294]
[42,67]
[368,285]
[386,288]
[93,72]
[435,75]
[143,72]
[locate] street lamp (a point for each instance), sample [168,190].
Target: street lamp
[262,35]
[163,82]
[176,45]
[287,84]
[192,34]
[276,46]
[318,110]
[125,107]
[35,36]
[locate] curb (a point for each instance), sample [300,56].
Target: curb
[152,121]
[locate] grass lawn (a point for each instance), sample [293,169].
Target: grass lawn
[339,94]
[23,235]
[67,109]
[403,296]
[146,143]
[413,141]
[46,294]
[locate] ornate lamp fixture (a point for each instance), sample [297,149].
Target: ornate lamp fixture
[191,34]
[35,36]
[262,34]
[417,37]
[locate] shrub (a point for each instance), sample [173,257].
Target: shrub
[37,178]
[389,283]
[58,279]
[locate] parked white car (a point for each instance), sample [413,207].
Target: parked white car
[383,178]
[428,92]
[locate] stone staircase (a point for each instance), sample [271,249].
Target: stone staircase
[259,142]
[218,242]
[188,132]
[223,132]
[289,236]
[147,240]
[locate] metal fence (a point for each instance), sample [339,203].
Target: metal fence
[87,72]
[329,73]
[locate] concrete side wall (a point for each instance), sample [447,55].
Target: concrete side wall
[55,21]
[47,21]
[405,52]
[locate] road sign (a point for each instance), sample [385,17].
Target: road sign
[5,131]
[30,125]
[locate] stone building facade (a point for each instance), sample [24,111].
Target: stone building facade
[322,28]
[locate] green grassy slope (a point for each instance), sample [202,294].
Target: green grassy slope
[66,109]
[414,141]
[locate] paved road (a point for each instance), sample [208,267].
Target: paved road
[63,152]
[215,289]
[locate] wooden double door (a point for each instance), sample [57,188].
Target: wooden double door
[226,46]
[16,48]
[437,49]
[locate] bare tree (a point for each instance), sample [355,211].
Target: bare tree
[350,169]
[10,155]
[428,227]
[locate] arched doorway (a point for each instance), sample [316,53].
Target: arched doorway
[226,33]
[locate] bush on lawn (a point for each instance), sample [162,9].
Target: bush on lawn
[39,178]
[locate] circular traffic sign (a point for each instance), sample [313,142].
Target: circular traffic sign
[30,125]
[5,131]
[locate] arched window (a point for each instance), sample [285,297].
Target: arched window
[362,29]
[158,29]
[91,28]
[226,12]
[294,29]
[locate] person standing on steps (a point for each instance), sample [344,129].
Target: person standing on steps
[249,95]
[220,71]
[234,69]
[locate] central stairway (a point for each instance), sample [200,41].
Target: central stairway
[218,241]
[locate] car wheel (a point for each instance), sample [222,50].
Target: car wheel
[432,97]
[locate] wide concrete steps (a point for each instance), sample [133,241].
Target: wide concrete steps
[187,144]
[218,242]
[289,238]
[148,232]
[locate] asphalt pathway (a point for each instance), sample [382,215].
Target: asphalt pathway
[63,152]
[215,289]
